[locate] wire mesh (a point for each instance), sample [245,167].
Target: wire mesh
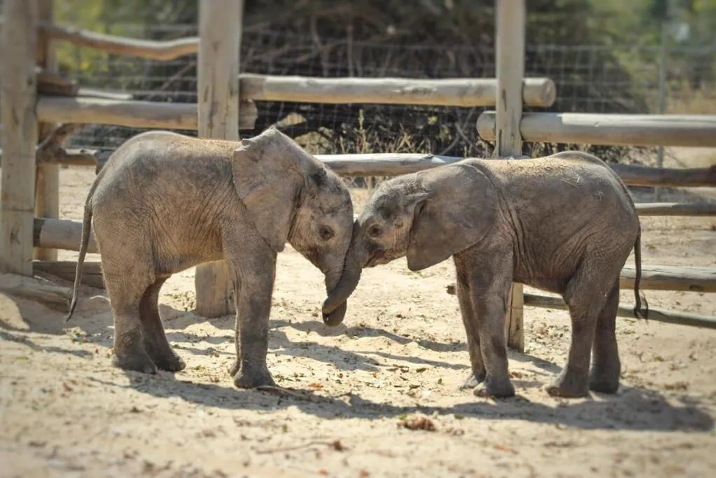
[589,78]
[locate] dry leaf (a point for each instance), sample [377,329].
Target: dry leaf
[418,423]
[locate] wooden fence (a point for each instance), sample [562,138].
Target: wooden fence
[32,101]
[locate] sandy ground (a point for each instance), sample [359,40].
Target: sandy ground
[65,411]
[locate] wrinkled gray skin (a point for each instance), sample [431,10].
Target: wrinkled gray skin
[565,224]
[166,202]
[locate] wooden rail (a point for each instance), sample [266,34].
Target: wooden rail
[610,129]
[655,277]
[463,92]
[655,313]
[138,114]
[91,271]
[396,164]
[675,209]
[155,50]
[60,234]
[66,235]
[694,279]
[637,175]
[448,92]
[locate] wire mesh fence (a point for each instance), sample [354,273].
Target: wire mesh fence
[589,78]
[615,78]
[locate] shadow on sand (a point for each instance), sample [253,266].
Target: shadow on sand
[633,408]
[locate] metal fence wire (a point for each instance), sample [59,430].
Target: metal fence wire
[601,79]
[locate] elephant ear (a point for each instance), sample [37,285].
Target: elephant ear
[268,173]
[460,208]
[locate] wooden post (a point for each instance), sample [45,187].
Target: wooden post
[218,110]
[47,186]
[19,135]
[510,66]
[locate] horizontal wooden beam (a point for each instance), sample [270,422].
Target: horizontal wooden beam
[610,129]
[155,50]
[53,296]
[91,271]
[655,277]
[60,234]
[656,314]
[137,114]
[383,164]
[64,234]
[395,164]
[465,92]
[675,209]
[637,175]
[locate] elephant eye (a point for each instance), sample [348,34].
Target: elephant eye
[375,230]
[325,232]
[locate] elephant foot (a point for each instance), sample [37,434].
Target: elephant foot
[168,361]
[569,385]
[253,378]
[234,369]
[604,382]
[497,388]
[473,380]
[136,361]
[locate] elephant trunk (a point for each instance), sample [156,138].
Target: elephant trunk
[336,316]
[334,308]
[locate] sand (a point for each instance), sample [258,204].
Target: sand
[377,396]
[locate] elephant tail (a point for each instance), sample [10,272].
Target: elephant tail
[86,231]
[639,313]
[84,243]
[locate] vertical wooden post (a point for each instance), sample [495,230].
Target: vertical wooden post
[218,109]
[47,186]
[510,66]
[19,135]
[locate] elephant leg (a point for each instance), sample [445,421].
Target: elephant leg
[585,298]
[125,298]
[469,320]
[155,340]
[491,309]
[253,268]
[489,276]
[606,367]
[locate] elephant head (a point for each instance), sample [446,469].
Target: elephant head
[428,216]
[291,196]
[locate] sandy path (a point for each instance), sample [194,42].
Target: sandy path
[64,411]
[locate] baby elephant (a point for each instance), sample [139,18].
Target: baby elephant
[166,202]
[564,223]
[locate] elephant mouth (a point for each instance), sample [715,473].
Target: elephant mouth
[378,257]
